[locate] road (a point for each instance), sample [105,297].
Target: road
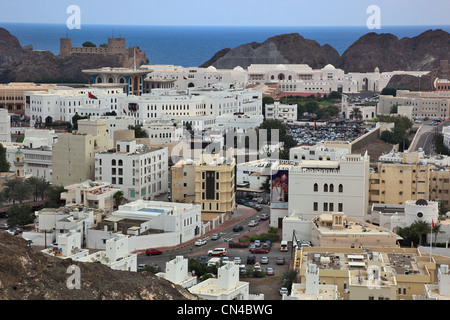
[425,138]
[268,285]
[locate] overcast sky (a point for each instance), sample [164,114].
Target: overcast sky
[229,12]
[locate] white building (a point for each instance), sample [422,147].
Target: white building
[238,122]
[69,246]
[36,149]
[175,222]
[114,123]
[141,172]
[226,287]
[62,103]
[5,126]
[200,107]
[286,113]
[441,290]
[181,78]
[163,131]
[318,152]
[253,174]
[117,255]
[177,272]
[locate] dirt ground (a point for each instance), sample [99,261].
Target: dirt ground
[268,285]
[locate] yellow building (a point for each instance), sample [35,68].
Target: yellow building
[182,184]
[74,153]
[394,183]
[372,273]
[215,184]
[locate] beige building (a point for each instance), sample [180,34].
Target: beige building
[91,194]
[215,184]
[74,153]
[338,230]
[394,183]
[372,273]
[12,95]
[182,183]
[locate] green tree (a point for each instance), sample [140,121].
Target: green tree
[438,144]
[421,229]
[20,215]
[356,113]
[334,95]
[289,278]
[17,190]
[118,198]
[138,131]
[88,44]
[4,164]
[38,186]
[53,196]
[75,119]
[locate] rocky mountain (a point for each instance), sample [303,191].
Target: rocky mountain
[10,48]
[385,51]
[28,274]
[388,53]
[287,48]
[22,64]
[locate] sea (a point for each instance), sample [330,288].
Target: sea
[191,46]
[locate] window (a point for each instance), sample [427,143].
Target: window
[325,206]
[113,162]
[341,188]
[316,187]
[315,206]
[340,207]
[331,187]
[325,187]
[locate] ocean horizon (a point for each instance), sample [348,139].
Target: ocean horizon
[191,46]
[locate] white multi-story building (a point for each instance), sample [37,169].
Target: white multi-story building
[286,113]
[141,172]
[36,149]
[434,105]
[199,107]
[165,131]
[320,151]
[114,123]
[62,103]
[5,125]
[181,78]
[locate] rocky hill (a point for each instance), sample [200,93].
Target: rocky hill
[384,51]
[21,64]
[287,48]
[28,274]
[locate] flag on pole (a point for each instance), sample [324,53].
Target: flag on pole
[91,96]
[124,111]
[184,78]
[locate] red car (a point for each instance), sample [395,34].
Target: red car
[151,252]
[259,250]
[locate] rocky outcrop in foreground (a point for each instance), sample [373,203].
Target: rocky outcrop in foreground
[28,274]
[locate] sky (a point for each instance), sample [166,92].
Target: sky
[229,12]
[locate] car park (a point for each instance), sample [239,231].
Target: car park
[251,259]
[200,242]
[151,252]
[283,291]
[259,250]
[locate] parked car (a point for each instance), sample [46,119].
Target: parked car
[259,250]
[251,259]
[252,223]
[141,266]
[4,226]
[240,201]
[238,228]
[264,260]
[217,252]
[215,236]
[252,246]
[283,290]
[200,242]
[11,232]
[152,252]
[257,266]
[281,260]
[249,204]
[257,243]
[270,271]
[237,260]
[264,216]
[225,260]
[257,207]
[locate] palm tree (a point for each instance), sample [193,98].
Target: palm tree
[436,230]
[16,189]
[34,184]
[421,228]
[118,198]
[356,113]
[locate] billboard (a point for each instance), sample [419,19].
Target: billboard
[279,191]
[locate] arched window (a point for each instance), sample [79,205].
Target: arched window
[331,187]
[325,187]
[110,80]
[122,80]
[99,79]
[120,162]
[113,162]
[316,187]
[341,188]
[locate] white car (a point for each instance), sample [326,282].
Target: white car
[200,242]
[252,223]
[237,260]
[283,291]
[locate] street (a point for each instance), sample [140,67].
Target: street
[424,139]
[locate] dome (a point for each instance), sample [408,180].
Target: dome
[238,68]
[329,67]
[377,70]
[211,69]
[281,67]
[421,202]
